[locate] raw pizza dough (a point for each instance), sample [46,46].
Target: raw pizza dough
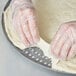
[51,14]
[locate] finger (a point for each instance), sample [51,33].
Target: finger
[63,28]
[22,36]
[72,52]
[15,22]
[26,31]
[58,46]
[33,27]
[65,49]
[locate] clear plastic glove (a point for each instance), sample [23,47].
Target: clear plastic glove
[24,21]
[63,45]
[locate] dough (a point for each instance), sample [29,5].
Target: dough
[51,14]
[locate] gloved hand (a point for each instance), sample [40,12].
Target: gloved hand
[63,45]
[24,21]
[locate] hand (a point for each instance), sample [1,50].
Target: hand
[63,45]
[24,21]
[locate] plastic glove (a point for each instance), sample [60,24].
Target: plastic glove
[63,45]
[24,21]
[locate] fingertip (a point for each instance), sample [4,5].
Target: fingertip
[36,41]
[36,36]
[54,54]
[62,57]
[70,56]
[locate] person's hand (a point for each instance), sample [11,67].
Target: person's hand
[63,45]
[24,21]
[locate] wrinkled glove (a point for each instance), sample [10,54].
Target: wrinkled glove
[63,45]
[24,21]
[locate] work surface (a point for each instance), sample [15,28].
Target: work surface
[12,63]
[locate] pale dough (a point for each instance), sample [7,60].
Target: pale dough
[51,14]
